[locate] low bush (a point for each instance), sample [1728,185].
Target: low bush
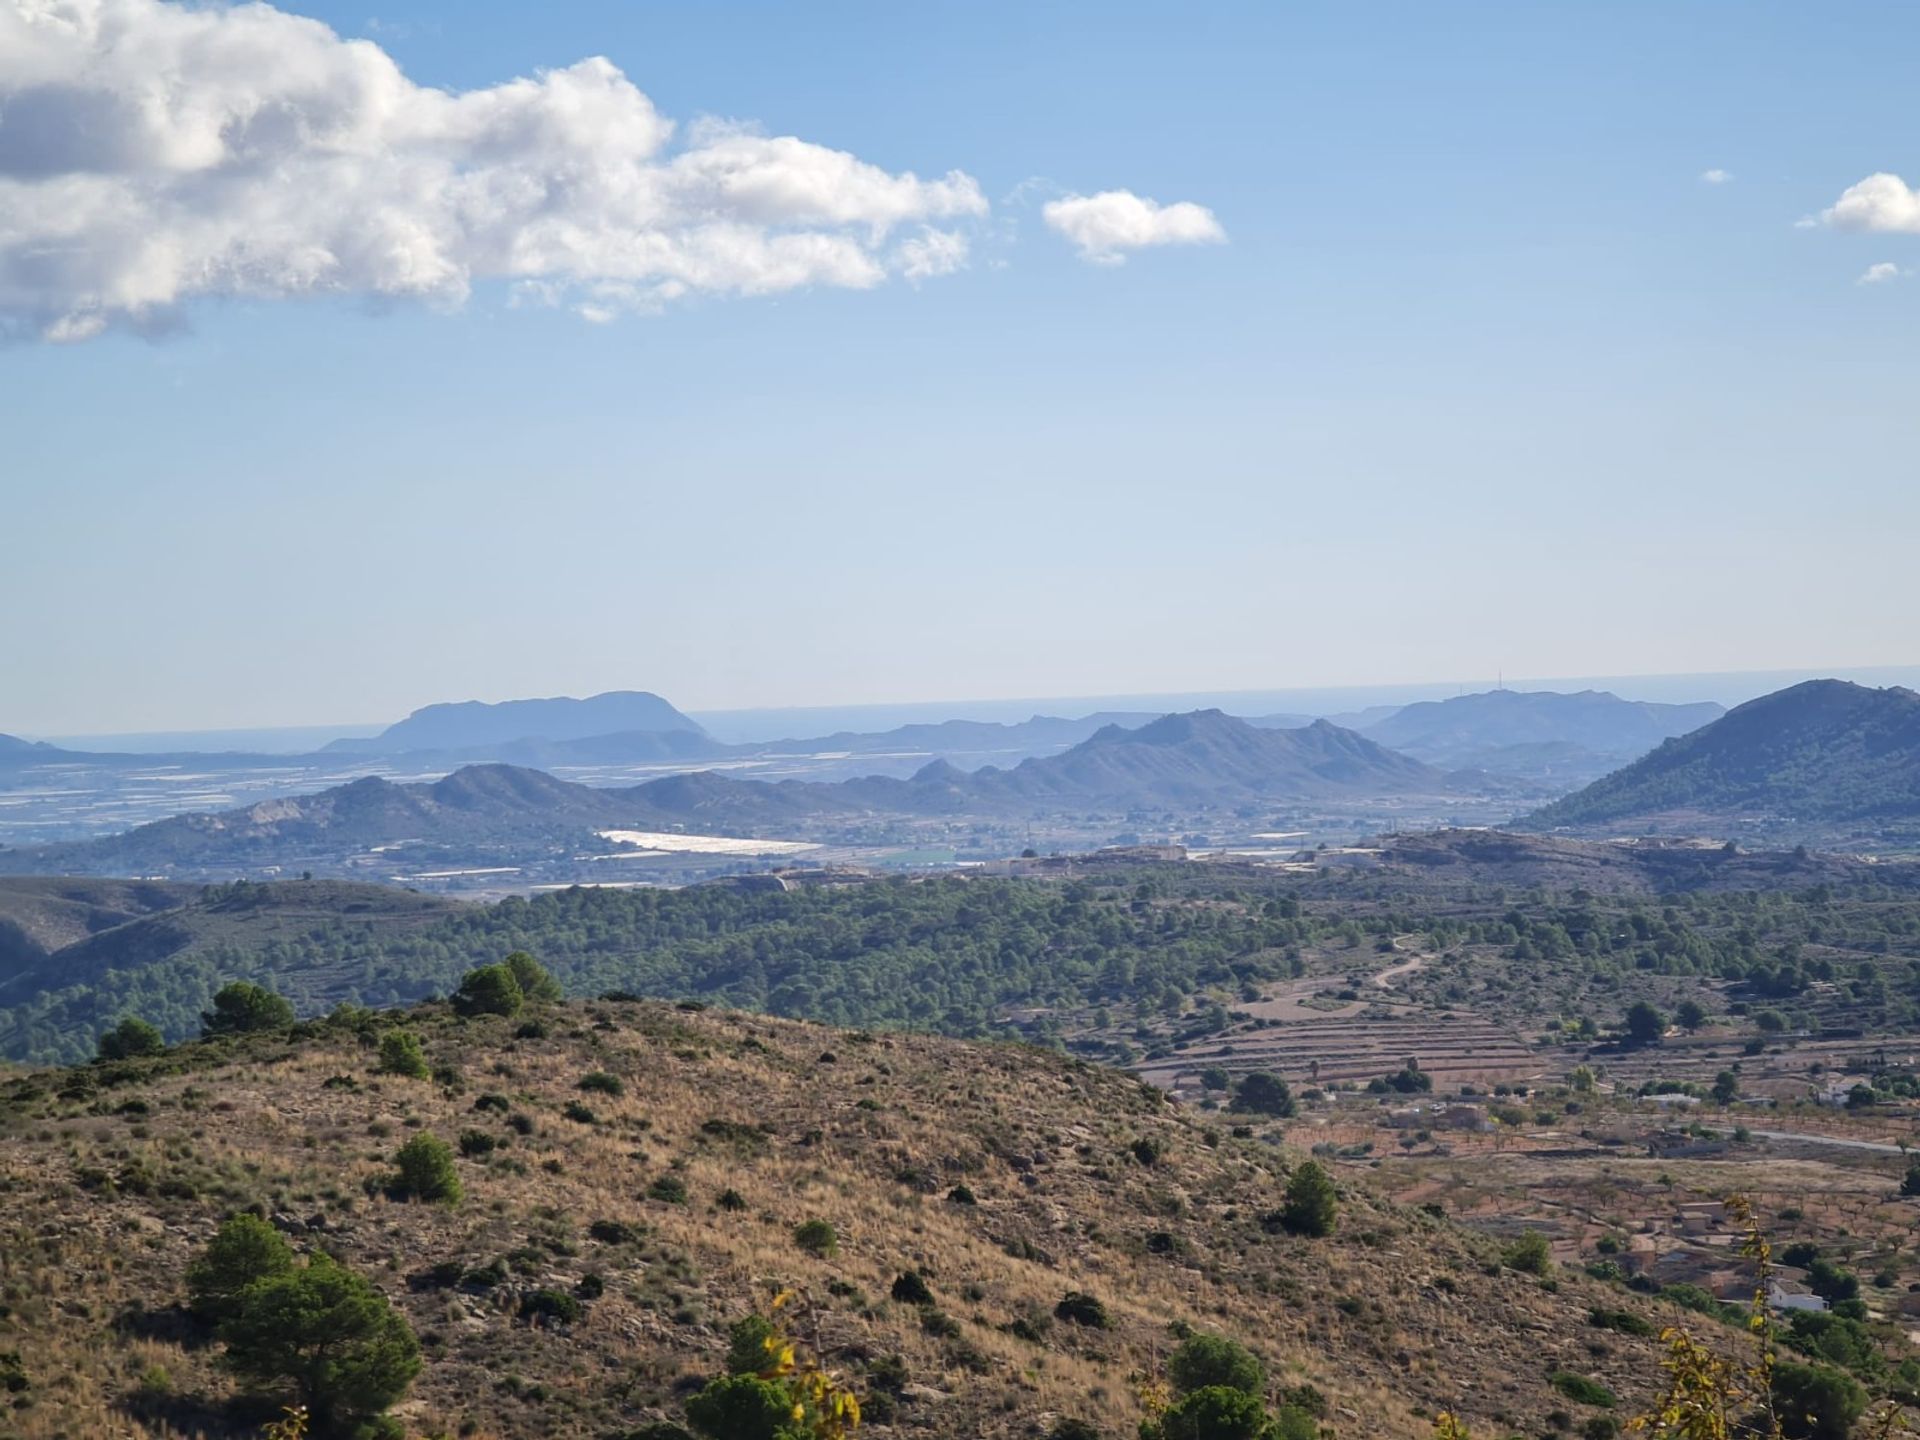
[1077,1307]
[550,1305]
[401,1054]
[424,1171]
[816,1237]
[1582,1389]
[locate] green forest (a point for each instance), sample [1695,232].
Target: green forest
[965,956]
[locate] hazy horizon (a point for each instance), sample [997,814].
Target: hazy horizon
[754,723]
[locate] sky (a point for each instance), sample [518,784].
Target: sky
[777,355]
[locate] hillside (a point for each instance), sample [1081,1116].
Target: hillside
[1822,754]
[471,724]
[965,955]
[951,954]
[132,933]
[1447,861]
[39,916]
[475,806]
[672,1207]
[1536,733]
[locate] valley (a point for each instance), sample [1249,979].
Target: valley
[1545,1058]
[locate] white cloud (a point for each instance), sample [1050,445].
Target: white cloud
[1882,203]
[1104,227]
[1881,273]
[1716,177]
[152,153]
[931,253]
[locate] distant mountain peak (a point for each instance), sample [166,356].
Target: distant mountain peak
[939,772]
[471,724]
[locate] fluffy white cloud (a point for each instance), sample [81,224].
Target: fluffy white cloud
[1716,177]
[151,153]
[1104,227]
[1880,203]
[1881,273]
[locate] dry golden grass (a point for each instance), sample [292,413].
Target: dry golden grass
[1394,1317]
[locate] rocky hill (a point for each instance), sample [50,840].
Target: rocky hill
[650,1166]
[1818,756]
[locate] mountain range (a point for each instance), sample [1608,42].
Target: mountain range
[1823,754]
[1179,762]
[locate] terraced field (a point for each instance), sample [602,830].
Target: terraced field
[1453,1049]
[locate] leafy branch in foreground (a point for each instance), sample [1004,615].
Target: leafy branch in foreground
[774,1389]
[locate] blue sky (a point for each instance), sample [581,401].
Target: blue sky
[1484,377]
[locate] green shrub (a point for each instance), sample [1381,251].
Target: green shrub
[244,1251]
[475,1143]
[961,1195]
[1624,1321]
[131,1039]
[614,1232]
[1312,1203]
[1204,1361]
[579,1114]
[1219,1412]
[1262,1094]
[740,1407]
[1529,1254]
[600,1082]
[241,1008]
[668,1189]
[400,1054]
[554,1305]
[536,985]
[1580,1388]
[747,1352]
[330,1336]
[1307,1399]
[1079,1308]
[911,1288]
[938,1323]
[489,990]
[1815,1403]
[816,1237]
[1068,1428]
[425,1171]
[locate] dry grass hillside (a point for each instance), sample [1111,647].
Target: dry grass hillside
[114,1177]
